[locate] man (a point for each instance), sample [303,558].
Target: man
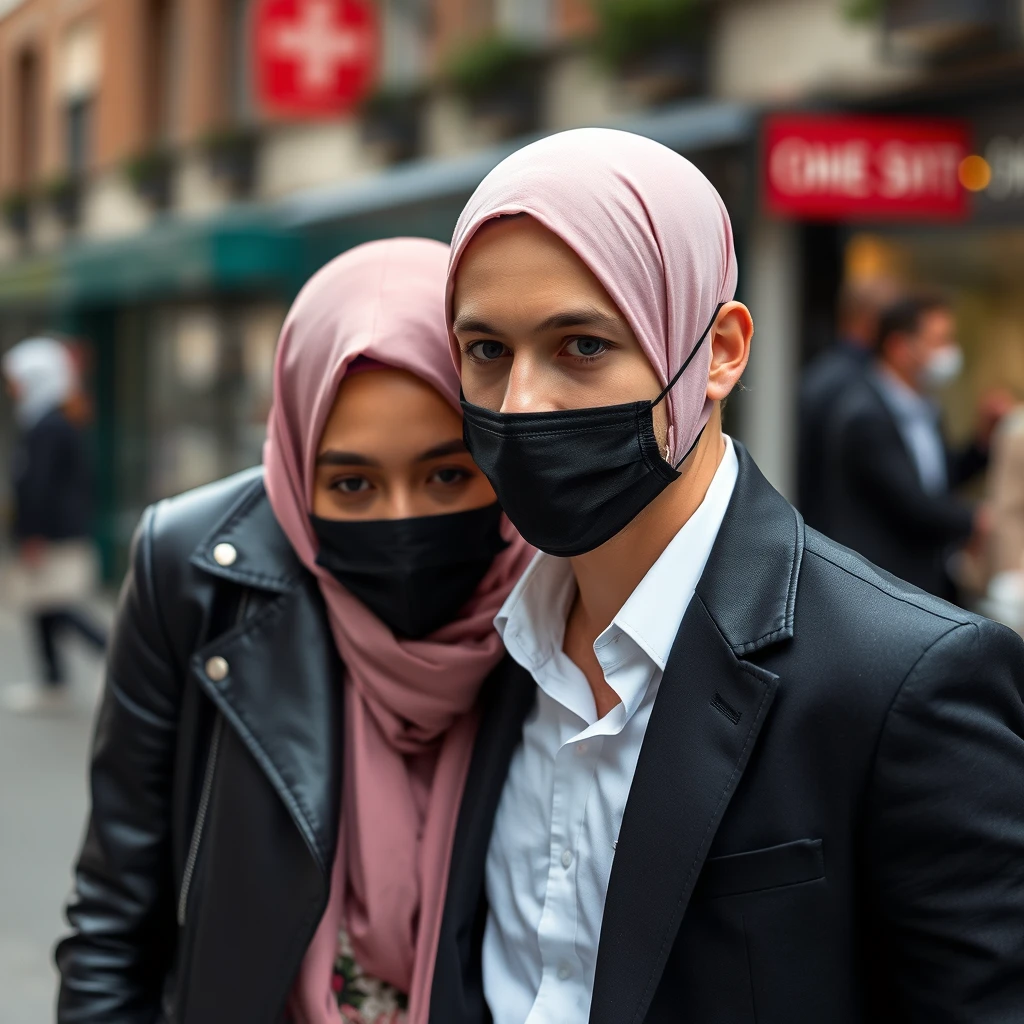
[827,378]
[743,775]
[891,475]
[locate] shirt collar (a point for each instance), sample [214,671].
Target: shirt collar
[532,619]
[653,612]
[903,401]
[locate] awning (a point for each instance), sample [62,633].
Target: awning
[28,282]
[687,128]
[244,248]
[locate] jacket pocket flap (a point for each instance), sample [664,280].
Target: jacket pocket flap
[789,864]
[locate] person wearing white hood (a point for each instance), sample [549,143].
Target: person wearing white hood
[52,488]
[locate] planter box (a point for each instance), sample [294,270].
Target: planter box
[394,128]
[66,203]
[667,74]
[233,161]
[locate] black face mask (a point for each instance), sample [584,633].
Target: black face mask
[572,479]
[413,574]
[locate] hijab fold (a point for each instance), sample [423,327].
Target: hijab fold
[651,228]
[410,722]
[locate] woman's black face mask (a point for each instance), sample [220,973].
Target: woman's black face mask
[413,574]
[572,479]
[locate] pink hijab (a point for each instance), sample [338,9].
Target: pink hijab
[409,704]
[651,228]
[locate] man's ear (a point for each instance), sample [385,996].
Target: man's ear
[730,349]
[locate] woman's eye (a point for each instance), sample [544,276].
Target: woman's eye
[352,484]
[586,348]
[451,475]
[487,351]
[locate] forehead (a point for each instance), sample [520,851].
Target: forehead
[521,259]
[387,403]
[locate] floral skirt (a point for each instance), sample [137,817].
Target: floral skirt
[362,999]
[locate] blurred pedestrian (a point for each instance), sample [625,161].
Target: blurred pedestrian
[304,670]
[891,474]
[826,379]
[1005,598]
[56,565]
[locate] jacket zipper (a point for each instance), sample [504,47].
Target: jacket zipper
[197,831]
[204,801]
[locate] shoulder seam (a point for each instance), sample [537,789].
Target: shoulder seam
[888,593]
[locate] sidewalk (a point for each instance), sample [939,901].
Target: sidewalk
[43,803]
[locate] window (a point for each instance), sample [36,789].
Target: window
[78,83]
[27,94]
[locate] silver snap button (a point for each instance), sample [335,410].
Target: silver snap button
[225,554]
[217,669]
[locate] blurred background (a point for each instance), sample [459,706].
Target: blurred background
[171,171]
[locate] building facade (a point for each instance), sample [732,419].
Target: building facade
[152,208]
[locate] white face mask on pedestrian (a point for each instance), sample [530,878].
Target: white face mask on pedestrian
[943,367]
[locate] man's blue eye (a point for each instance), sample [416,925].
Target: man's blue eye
[488,350]
[586,347]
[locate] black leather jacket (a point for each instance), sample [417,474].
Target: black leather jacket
[215,775]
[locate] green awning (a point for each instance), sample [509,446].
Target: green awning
[28,282]
[242,249]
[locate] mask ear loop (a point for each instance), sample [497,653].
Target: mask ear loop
[682,369]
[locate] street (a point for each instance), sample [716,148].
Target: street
[42,807]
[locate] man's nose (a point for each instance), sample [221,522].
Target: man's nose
[529,387]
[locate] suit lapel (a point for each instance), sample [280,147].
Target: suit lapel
[709,712]
[703,727]
[457,994]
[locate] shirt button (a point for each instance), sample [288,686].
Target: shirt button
[225,555]
[564,972]
[217,669]
[566,858]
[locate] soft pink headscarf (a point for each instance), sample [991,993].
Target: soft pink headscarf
[648,224]
[409,704]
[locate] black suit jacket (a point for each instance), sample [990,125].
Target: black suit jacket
[826,825]
[823,384]
[877,505]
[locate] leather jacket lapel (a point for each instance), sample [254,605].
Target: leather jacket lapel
[282,694]
[276,676]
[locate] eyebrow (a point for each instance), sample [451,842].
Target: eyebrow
[454,447]
[333,457]
[588,316]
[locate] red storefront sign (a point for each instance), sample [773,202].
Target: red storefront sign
[878,168]
[314,58]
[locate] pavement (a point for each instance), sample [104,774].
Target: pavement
[43,802]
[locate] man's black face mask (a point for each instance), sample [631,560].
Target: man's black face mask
[413,574]
[572,479]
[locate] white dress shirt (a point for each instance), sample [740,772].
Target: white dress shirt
[917,419]
[558,820]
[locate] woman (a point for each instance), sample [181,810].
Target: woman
[52,485]
[293,690]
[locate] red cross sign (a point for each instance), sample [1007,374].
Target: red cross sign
[314,58]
